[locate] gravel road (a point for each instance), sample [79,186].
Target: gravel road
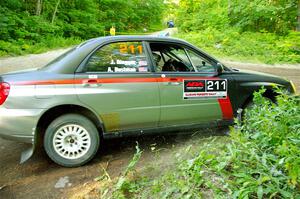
[290,72]
[41,178]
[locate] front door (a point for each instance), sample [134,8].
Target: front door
[189,91]
[117,83]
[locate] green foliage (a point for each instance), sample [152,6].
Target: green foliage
[255,30]
[279,16]
[202,14]
[264,15]
[22,47]
[278,144]
[261,159]
[22,22]
[247,46]
[130,15]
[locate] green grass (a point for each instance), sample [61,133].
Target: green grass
[253,47]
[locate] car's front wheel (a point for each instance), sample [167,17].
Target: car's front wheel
[71,140]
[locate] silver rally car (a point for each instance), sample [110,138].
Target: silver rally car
[123,85]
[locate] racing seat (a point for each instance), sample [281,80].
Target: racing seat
[168,66]
[173,65]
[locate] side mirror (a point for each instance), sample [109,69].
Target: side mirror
[220,68]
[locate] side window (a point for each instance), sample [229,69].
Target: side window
[201,64]
[170,58]
[182,58]
[118,57]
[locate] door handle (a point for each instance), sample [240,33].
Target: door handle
[90,83]
[174,82]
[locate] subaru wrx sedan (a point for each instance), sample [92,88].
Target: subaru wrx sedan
[118,86]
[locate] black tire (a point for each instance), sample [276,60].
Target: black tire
[90,140]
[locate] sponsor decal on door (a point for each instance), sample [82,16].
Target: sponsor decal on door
[194,89]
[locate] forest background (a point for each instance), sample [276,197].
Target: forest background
[251,30]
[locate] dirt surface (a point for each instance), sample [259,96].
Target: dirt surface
[28,61]
[41,178]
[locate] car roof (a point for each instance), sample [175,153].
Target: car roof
[135,37]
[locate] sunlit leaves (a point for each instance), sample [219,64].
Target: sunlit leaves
[249,15]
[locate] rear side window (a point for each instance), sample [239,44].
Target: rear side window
[118,57]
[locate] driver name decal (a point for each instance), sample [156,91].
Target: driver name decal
[194,89]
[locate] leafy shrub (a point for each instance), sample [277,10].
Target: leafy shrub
[263,157]
[248,15]
[21,47]
[255,30]
[248,46]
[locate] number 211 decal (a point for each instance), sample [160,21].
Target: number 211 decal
[133,49]
[194,89]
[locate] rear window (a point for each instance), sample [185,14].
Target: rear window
[58,59]
[118,57]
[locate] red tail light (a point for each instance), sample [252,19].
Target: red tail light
[4,91]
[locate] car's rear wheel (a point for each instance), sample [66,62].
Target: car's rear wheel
[71,140]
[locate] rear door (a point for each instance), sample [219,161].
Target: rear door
[190,93]
[117,83]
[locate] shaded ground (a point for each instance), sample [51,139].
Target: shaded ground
[38,177]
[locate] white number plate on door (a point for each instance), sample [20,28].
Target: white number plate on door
[193,89]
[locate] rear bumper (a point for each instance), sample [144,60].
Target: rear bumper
[19,124]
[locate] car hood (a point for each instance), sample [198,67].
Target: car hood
[251,72]
[254,76]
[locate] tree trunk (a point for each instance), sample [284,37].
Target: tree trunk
[38,8]
[55,11]
[298,24]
